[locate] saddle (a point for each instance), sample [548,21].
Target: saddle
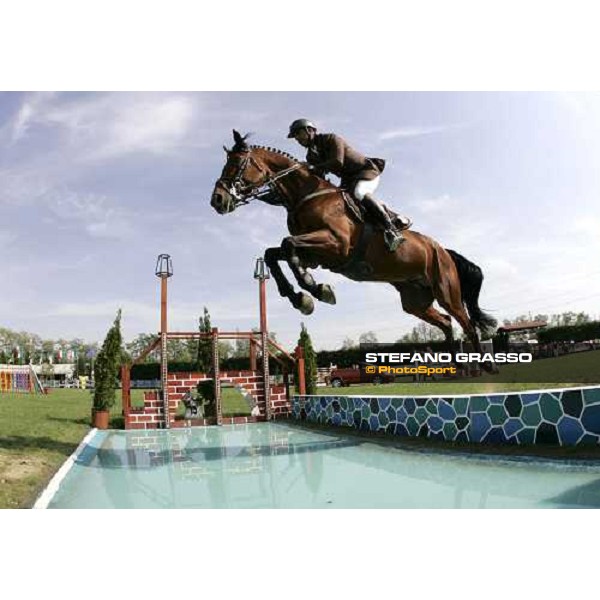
[361,215]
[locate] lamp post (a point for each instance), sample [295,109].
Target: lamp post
[261,273]
[164,270]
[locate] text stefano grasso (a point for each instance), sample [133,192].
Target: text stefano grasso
[447,357]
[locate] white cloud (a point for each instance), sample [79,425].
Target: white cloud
[110,125]
[434,205]
[96,213]
[417,131]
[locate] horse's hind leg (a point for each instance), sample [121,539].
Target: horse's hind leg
[417,300]
[295,245]
[303,302]
[447,292]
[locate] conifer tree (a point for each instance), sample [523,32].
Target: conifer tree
[204,354]
[106,367]
[310,361]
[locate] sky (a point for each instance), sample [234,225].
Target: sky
[93,186]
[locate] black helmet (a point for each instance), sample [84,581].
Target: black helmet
[300,124]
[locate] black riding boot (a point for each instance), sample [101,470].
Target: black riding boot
[392,237]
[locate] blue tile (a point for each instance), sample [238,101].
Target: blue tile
[401,416]
[512,426]
[435,423]
[480,424]
[384,403]
[529,398]
[374,423]
[446,411]
[569,430]
[496,399]
[495,436]
[400,429]
[591,418]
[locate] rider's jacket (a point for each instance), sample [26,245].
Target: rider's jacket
[329,153]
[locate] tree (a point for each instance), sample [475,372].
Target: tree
[310,361]
[107,367]
[241,347]
[422,332]
[368,337]
[348,344]
[204,349]
[139,344]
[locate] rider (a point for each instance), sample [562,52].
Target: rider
[329,153]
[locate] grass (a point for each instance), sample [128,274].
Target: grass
[37,434]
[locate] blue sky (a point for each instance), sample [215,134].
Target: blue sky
[93,186]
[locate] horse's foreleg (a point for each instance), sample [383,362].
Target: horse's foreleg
[303,302]
[316,242]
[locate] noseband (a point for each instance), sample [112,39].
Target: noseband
[243,192]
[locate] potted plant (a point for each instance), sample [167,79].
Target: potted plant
[106,370]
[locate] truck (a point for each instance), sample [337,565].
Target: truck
[344,376]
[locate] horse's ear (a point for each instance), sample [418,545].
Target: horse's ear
[227,150]
[237,137]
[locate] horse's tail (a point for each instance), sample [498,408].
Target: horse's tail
[471,278]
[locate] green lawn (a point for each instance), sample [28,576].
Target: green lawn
[37,434]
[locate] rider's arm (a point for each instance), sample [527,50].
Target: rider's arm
[333,154]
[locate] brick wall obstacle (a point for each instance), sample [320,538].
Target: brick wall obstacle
[250,383]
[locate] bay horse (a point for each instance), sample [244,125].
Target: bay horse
[327,231]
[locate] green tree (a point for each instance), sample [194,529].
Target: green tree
[204,351]
[107,366]
[140,343]
[310,361]
[348,344]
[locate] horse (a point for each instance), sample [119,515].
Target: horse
[327,231]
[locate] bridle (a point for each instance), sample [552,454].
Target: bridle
[243,192]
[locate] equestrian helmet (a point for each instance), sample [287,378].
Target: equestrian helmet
[300,124]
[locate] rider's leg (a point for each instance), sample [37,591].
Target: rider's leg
[363,191]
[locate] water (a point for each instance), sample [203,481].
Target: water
[275,465]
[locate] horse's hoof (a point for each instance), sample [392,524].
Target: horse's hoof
[325,293]
[306,304]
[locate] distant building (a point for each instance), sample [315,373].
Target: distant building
[56,374]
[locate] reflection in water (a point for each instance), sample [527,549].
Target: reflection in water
[277,465]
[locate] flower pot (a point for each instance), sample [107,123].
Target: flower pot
[100,418]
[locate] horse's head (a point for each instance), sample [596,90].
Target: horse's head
[241,175]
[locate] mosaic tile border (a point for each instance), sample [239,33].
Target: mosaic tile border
[565,417]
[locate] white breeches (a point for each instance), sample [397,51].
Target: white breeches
[365,186]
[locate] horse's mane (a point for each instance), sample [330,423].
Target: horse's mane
[242,146]
[275,150]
